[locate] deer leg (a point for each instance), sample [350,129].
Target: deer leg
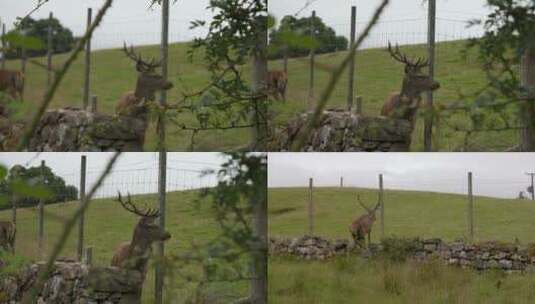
[369,239]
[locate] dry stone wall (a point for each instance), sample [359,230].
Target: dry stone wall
[72,282]
[345,131]
[483,256]
[72,129]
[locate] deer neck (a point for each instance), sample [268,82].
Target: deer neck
[409,91]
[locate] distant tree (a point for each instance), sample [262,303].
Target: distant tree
[293,33]
[521,195]
[58,190]
[62,38]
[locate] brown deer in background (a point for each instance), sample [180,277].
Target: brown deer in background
[276,83]
[135,103]
[362,226]
[405,104]
[12,83]
[7,236]
[134,255]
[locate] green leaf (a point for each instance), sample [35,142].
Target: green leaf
[3,172]
[17,40]
[36,191]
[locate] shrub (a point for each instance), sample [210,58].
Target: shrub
[398,249]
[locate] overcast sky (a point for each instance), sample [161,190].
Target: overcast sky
[494,174]
[129,20]
[404,21]
[133,172]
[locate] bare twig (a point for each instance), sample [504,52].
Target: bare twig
[31,296]
[47,98]
[335,77]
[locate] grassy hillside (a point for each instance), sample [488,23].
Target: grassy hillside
[108,225]
[377,75]
[349,280]
[355,280]
[113,74]
[407,213]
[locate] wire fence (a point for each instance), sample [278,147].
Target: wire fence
[377,75]
[107,224]
[449,208]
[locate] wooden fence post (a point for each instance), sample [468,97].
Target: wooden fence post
[162,163]
[83,167]
[88,256]
[351,68]
[382,204]
[24,59]
[428,125]
[14,217]
[93,107]
[312,62]
[259,76]
[41,215]
[162,178]
[527,108]
[470,208]
[49,52]
[285,59]
[310,207]
[87,71]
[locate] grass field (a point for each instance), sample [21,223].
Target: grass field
[409,214]
[377,75]
[113,74]
[107,225]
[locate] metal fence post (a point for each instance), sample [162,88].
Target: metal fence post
[428,125]
[83,167]
[382,204]
[351,68]
[470,208]
[310,207]
[87,71]
[49,52]
[312,62]
[41,215]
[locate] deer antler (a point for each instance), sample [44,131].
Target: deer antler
[129,206]
[398,56]
[141,65]
[362,204]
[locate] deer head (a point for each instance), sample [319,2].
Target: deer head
[148,81]
[414,82]
[146,231]
[371,212]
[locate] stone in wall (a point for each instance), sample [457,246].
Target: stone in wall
[345,131]
[71,129]
[308,247]
[72,282]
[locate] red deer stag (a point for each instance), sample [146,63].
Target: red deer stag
[276,84]
[134,255]
[405,104]
[7,236]
[362,226]
[135,103]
